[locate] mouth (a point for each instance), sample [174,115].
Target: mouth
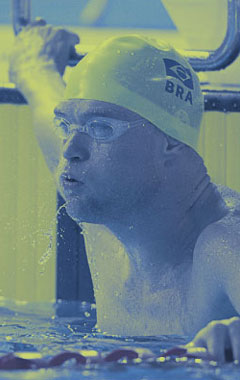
[68,180]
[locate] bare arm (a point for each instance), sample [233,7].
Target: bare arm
[221,250]
[36,66]
[43,89]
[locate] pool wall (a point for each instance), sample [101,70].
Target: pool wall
[28,209]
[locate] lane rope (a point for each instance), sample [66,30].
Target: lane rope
[13,361]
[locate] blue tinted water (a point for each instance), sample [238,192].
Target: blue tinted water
[37,328]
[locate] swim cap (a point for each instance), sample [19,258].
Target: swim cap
[144,76]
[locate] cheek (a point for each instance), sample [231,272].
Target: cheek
[100,160]
[99,169]
[122,167]
[136,164]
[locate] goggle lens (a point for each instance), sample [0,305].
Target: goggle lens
[100,129]
[103,130]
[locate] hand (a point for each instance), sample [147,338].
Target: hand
[40,46]
[219,341]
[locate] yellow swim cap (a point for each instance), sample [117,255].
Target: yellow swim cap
[146,77]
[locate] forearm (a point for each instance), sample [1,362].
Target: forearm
[36,65]
[41,85]
[43,88]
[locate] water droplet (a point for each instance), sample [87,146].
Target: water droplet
[48,253]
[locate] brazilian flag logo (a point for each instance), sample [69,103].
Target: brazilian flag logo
[176,70]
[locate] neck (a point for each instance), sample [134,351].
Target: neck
[153,262]
[158,237]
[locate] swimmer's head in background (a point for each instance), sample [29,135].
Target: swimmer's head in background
[145,77]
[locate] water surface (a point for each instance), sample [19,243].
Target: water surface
[39,328]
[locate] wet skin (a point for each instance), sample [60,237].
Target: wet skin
[132,181]
[105,169]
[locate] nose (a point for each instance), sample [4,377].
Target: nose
[77,147]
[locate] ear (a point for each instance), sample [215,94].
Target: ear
[172,145]
[172,150]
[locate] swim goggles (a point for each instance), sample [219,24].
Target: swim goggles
[99,128]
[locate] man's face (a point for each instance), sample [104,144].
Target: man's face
[101,180]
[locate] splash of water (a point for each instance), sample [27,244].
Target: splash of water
[48,253]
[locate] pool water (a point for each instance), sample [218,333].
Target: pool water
[29,329]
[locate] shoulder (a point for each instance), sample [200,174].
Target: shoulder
[216,261]
[217,253]
[218,246]
[227,229]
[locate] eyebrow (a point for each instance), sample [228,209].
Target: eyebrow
[83,116]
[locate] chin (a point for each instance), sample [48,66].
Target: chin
[75,212]
[83,212]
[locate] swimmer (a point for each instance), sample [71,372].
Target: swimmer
[121,141]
